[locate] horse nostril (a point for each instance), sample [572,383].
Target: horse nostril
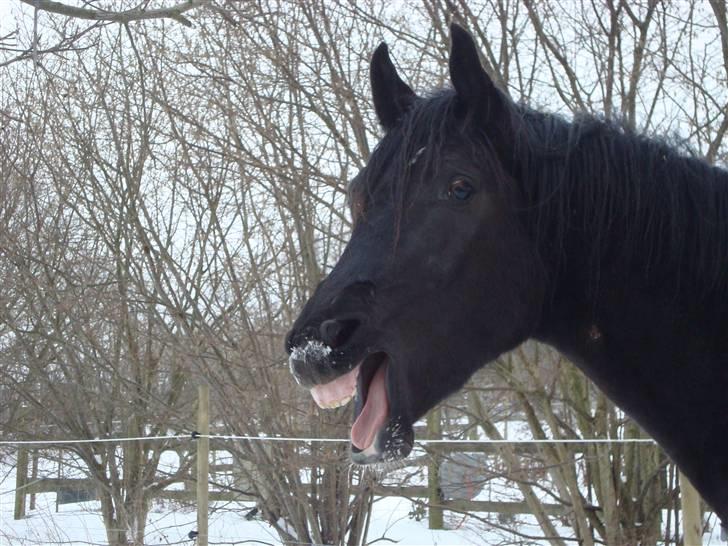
[336,332]
[330,330]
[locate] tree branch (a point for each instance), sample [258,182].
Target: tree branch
[127,16]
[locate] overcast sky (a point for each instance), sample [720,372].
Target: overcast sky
[10,10]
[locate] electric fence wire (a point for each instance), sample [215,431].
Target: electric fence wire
[266,438]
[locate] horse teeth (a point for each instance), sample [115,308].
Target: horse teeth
[338,403]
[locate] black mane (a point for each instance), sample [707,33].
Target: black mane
[635,200]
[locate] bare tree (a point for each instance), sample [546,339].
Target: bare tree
[172,195]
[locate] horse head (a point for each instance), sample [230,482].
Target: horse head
[439,276]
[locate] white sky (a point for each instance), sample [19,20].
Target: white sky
[8,13]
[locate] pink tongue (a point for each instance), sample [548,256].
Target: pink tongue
[325,395]
[373,414]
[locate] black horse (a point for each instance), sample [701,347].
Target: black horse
[480,223]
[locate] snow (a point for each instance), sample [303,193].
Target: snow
[313,351]
[394,519]
[169,523]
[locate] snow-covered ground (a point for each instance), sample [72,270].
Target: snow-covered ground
[80,524]
[169,523]
[394,519]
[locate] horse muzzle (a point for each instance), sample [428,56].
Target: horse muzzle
[314,363]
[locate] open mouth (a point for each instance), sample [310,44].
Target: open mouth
[367,384]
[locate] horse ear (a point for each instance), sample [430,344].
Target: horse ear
[470,80]
[392,97]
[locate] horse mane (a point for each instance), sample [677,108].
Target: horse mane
[643,202]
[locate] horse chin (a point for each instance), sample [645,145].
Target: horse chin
[392,443]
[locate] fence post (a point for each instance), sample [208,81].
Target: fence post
[691,514]
[203,453]
[21,479]
[33,477]
[434,491]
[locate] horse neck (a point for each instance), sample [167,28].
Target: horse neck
[639,295]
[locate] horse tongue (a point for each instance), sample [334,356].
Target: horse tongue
[374,413]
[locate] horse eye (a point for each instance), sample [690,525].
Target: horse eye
[460,189]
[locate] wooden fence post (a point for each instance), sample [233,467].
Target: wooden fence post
[691,514]
[33,477]
[434,491]
[203,453]
[21,479]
